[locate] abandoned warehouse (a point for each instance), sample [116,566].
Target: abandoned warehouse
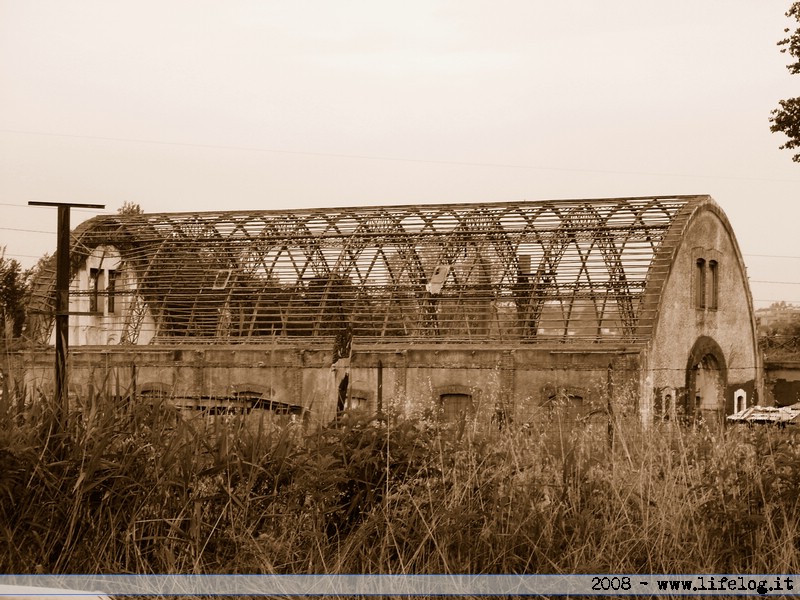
[497,310]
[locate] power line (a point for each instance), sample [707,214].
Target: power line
[26,230]
[381,158]
[772,256]
[14,254]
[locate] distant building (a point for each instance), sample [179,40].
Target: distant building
[779,312]
[504,311]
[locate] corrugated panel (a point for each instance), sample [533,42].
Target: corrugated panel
[767,414]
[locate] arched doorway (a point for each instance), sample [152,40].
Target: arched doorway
[706,379]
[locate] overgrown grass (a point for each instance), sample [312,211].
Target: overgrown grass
[150,491]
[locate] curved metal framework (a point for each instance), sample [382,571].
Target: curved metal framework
[557,271]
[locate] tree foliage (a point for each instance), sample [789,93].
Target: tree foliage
[12,295]
[130,208]
[786,118]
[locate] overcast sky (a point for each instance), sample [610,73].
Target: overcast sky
[239,104]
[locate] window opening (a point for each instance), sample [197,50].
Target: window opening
[246,400]
[713,270]
[566,407]
[341,403]
[739,401]
[94,277]
[455,407]
[664,407]
[111,289]
[355,402]
[700,283]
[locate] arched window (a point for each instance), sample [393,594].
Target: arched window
[94,287]
[356,401]
[155,391]
[245,400]
[700,283]
[739,400]
[111,289]
[456,407]
[567,406]
[713,271]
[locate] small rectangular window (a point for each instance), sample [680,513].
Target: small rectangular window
[664,407]
[94,276]
[111,289]
[456,407]
[713,270]
[700,283]
[355,402]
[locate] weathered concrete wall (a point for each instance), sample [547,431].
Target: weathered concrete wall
[290,375]
[520,385]
[111,302]
[782,382]
[682,322]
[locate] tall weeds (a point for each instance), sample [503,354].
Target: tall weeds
[150,490]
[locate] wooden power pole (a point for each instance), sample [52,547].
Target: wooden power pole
[61,398]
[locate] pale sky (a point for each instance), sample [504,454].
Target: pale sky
[240,104]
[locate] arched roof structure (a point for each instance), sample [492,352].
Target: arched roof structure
[577,271]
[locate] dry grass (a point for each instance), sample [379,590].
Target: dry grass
[150,491]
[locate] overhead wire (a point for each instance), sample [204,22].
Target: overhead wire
[51,232]
[231,147]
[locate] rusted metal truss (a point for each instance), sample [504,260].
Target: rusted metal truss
[511,272]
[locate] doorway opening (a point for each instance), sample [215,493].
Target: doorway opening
[706,379]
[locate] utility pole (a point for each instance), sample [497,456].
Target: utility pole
[61,399]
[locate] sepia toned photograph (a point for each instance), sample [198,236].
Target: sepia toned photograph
[381,299]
